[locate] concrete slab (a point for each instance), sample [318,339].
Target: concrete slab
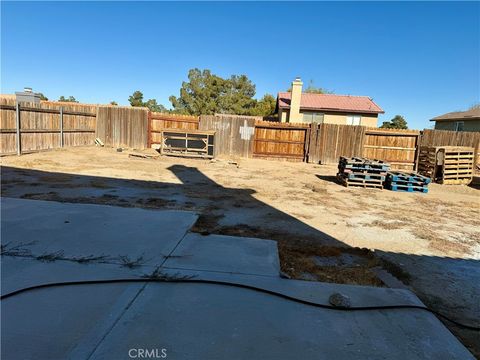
[187,320]
[230,254]
[215,322]
[83,229]
[48,324]
[313,291]
[18,273]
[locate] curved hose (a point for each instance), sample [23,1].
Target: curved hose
[243,286]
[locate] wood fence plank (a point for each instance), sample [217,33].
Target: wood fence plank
[119,126]
[39,125]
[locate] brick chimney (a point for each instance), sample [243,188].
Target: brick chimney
[295,115]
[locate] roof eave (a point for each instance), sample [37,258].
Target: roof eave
[337,110]
[456,119]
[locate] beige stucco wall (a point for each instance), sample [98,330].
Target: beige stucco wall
[282,115]
[469,125]
[369,120]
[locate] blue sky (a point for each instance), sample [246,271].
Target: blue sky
[415,59]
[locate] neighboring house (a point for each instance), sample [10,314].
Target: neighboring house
[459,121]
[298,107]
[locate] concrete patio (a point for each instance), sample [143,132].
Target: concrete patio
[189,321]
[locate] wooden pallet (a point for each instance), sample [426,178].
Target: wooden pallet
[457,165]
[363,170]
[363,176]
[363,163]
[364,167]
[427,161]
[410,177]
[187,143]
[406,188]
[405,182]
[378,184]
[447,164]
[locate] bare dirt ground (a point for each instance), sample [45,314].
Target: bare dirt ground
[325,232]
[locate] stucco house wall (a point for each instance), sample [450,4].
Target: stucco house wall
[468,125]
[282,115]
[369,120]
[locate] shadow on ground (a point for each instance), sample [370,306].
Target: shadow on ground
[305,252]
[329,178]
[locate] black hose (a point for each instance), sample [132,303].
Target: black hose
[243,286]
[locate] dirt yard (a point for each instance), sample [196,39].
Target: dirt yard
[326,232]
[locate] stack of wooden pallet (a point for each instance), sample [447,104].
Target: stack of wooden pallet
[427,159]
[406,181]
[362,172]
[447,164]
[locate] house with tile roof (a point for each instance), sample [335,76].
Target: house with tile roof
[299,107]
[459,120]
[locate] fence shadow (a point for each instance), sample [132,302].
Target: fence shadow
[237,212]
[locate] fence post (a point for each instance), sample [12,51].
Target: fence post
[61,126]
[149,129]
[308,136]
[19,141]
[418,144]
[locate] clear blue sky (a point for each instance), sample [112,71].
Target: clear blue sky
[415,59]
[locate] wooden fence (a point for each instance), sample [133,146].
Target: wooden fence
[280,140]
[119,126]
[327,142]
[233,134]
[157,122]
[397,147]
[28,127]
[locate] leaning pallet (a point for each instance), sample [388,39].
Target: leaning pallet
[427,159]
[406,181]
[187,143]
[447,164]
[362,172]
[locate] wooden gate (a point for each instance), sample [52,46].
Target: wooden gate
[121,126]
[398,147]
[327,142]
[233,134]
[280,140]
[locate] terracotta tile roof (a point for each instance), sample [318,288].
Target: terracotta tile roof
[472,114]
[332,102]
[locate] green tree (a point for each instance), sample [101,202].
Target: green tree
[153,106]
[398,122]
[136,99]
[237,96]
[43,97]
[200,95]
[69,99]
[113,103]
[207,93]
[265,106]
